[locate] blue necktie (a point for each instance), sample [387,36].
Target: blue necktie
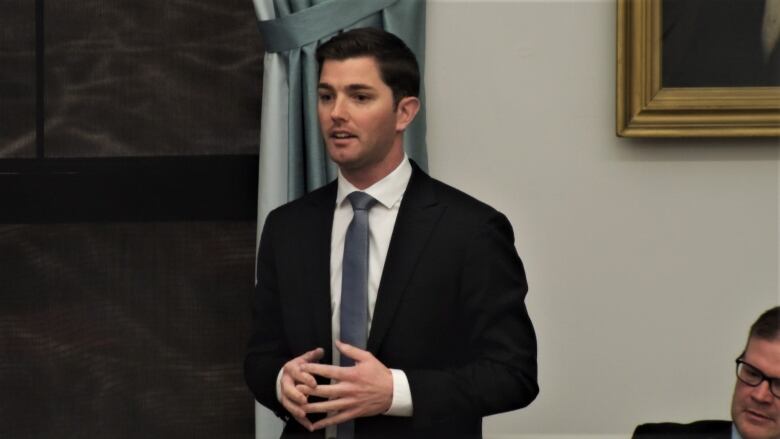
[354,287]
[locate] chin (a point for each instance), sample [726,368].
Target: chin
[346,160]
[750,431]
[342,152]
[343,160]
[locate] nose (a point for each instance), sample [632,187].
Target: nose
[761,392]
[338,111]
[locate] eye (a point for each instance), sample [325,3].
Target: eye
[362,98]
[325,97]
[751,373]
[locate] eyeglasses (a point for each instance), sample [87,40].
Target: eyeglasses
[753,377]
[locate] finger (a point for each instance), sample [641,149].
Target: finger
[295,410]
[334,419]
[297,413]
[298,375]
[332,405]
[313,355]
[290,391]
[352,352]
[294,395]
[304,389]
[330,390]
[305,378]
[325,370]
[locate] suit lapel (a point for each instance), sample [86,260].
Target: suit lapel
[418,214]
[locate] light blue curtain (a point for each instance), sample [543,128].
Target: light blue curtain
[293,160]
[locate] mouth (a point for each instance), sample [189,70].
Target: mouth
[341,135]
[758,417]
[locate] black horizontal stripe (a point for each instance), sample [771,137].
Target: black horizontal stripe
[194,188]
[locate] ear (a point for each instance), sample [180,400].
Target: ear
[405,112]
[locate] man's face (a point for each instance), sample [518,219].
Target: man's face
[755,411]
[357,115]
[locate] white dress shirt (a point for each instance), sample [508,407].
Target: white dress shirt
[381,220]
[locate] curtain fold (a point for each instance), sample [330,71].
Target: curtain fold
[292,159]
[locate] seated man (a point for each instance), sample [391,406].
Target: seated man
[755,407]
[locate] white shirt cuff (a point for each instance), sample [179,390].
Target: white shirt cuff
[279,385]
[402,396]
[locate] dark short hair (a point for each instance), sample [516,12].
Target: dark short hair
[767,327]
[398,66]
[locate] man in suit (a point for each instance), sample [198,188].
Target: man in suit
[448,339]
[755,406]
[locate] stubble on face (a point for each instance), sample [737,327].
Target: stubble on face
[358,120]
[754,410]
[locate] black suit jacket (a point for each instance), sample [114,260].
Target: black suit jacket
[695,430]
[450,309]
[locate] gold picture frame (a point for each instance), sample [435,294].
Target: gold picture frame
[647,109]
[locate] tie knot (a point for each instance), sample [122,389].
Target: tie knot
[361,200]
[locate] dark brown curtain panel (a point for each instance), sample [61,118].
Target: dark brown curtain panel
[17,78]
[125,330]
[130,77]
[128,180]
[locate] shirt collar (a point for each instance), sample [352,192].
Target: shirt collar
[734,432]
[387,191]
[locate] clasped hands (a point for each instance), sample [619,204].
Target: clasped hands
[365,389]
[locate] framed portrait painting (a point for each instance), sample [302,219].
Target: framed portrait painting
[698,68]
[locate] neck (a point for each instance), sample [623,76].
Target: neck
[364,177]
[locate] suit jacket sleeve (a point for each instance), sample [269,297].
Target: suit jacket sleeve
[497,370]
[266,353]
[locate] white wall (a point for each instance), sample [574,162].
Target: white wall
[647,259]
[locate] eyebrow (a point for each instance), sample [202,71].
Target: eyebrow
[350,87]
